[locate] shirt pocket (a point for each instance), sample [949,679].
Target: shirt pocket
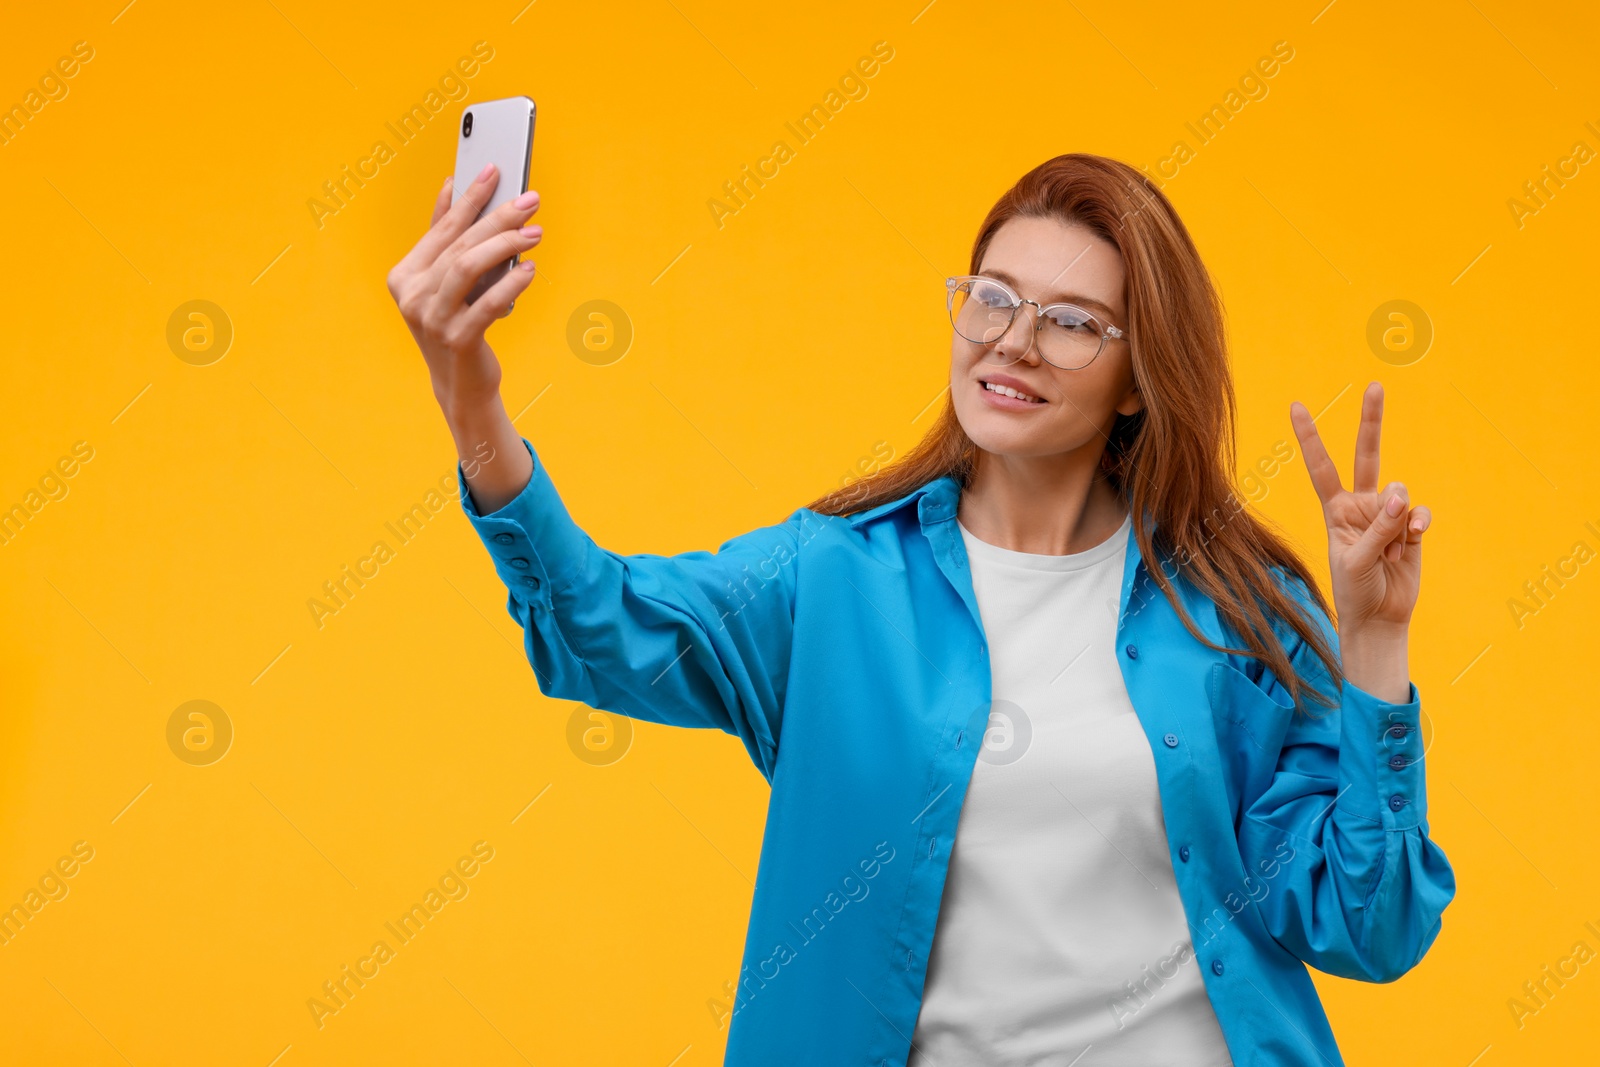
[1250,724]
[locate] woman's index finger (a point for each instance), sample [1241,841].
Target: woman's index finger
[1324,475]
[441,203]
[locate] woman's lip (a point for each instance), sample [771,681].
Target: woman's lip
[1008,403]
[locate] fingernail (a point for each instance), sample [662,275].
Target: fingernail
[1394,505]
[526,200]
[532,231]
[1416,524]
[526,264]
[488,169]
[447,178]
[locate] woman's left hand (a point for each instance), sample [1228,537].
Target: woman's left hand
[1374,538]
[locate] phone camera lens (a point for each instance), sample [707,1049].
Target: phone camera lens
[466,125]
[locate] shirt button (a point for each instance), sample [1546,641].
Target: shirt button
[1132,651]
[502,539]
[1183,853]
[518,562]
[1397,730]
[1398,761]
[1397,802]
[1171,740]
[1216,966]
[531,581]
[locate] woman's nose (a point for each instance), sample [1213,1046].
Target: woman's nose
[1017,342]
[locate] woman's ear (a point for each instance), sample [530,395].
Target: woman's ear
[1132,403]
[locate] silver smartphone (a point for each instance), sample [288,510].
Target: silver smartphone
[498,132]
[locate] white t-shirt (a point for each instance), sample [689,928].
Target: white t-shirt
[1061,930]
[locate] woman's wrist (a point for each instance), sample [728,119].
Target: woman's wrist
[494,461]
[468,418]
[1376,660]
[462,406]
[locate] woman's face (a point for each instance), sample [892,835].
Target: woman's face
[1049,261]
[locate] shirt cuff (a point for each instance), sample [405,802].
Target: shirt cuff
[1381,759]
[536,546]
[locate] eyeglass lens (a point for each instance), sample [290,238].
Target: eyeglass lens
[1067,337]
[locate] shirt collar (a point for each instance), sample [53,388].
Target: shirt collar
[937,502]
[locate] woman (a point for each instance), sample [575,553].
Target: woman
[1066,754]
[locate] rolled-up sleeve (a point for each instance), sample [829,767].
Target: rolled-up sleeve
[1363,891]
[698,639]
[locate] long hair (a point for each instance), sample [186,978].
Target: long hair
[1174,459]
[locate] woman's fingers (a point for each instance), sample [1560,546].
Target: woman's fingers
[1319,465]
[452,223]
[401,274]
[1364,478]
[431,283]
[441,203]
[495,303]
[1417,521]
[497,228]
[1386,528]
[464,270]
[1421,518]
[508,216]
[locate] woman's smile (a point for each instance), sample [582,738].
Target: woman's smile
[1009,394]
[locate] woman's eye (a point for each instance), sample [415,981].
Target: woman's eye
[1071,321]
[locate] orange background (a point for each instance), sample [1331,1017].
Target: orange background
[770,354]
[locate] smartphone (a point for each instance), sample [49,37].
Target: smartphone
[498,132]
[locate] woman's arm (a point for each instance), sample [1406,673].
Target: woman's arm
[1336,841]
[1362,888]
[698,639]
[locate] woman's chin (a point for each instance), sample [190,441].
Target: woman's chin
[1005,440]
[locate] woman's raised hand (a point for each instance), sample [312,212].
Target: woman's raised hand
[431,283]
[1374,552]
[1374,538]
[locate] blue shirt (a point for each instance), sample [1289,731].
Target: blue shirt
[848,655]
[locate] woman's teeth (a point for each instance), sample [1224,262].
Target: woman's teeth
[1006,390]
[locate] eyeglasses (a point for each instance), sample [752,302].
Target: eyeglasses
[983,309]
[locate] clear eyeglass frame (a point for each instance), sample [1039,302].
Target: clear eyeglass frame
[953,286]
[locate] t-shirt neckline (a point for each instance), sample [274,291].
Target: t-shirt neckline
[1111,547]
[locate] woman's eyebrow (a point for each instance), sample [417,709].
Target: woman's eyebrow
[1060,298]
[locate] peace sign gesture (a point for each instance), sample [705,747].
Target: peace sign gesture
[1374,538]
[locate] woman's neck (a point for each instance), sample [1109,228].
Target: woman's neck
[1046,505]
